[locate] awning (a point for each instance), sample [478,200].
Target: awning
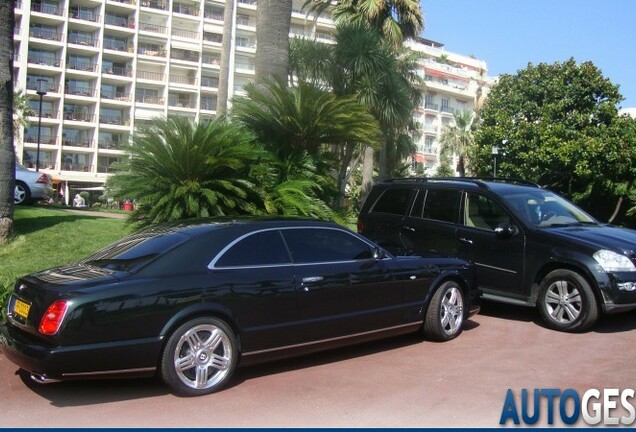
[419,158]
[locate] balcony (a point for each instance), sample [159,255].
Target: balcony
[81,117]
[46,9]
[47,113]
[432,106]
[114,120]
[115,95]
[78,142]
[152,100]
[83,40]
[185,56]
[80,91]
[49,87]
[116,45]
[76,167]
[119,21]
[151,76]
[44,60]
[209,82]
[47,34]
[129,2]
[153,52]
[188,34]
[84,15]
[108,145]
[211,60]
[155,4]
[179,79]
[153,28]
[448,110]
[80,65]
[184,9]
[44,139]
[180,103]
[119,71]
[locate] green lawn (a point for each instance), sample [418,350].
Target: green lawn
[46,238]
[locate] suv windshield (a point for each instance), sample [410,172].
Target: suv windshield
[543,208]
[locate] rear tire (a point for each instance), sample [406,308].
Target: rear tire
[566,302]
[200,357]
[21,194]
[445,315]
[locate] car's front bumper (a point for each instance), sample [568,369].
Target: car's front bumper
[619,292]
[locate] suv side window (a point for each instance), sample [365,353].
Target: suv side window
[442,205]
[393,201]
[482,212]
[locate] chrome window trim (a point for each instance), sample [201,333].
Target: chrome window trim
[212,264]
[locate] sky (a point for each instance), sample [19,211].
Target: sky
[509,34]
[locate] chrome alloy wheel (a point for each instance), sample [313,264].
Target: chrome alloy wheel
[452,311]
[203,356]
[563,302]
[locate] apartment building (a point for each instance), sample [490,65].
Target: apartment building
[453,83]
[98,68]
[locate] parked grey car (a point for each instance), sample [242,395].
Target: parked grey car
[30,185]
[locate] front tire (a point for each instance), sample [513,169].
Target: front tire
[200,357]
[445,315]
[566,302]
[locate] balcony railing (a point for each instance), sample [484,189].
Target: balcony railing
[186,10]
[119,71]
[448,109]
[44,139]
[46,9]
[47,113]
[432,106]
[78,142]
[49,87]
[208,104]
[154,4]
[44,60]
[84,15]
[180,103]
[153,100]
[152,76]
[153,28]
[212,37]
[209,82]
[178,79]
[76,167]
[115,95]
[81,65]
[247,2]
[179,55]
[130,2]
[118,45]
[213,15]
[113,120]
[41,33]
[119,21]
[82,117]
[80,91]
[106,169]
[153,52]
[189,34]
[208,59]
[109,145]
[82,40]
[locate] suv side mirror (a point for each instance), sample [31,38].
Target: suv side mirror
[378,253]
[506,230]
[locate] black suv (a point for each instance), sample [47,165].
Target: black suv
[529,246]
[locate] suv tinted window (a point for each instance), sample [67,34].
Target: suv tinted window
[393,201]
[482,212]
[314,245]
[259,249]
[442,205]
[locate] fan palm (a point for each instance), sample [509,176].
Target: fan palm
[179,170]
[458,139]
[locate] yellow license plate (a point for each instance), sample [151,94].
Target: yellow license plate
[21,308]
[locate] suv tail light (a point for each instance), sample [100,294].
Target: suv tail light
[44,179]
[52,319]
[360,227]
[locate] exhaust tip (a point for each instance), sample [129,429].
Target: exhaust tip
[42,378]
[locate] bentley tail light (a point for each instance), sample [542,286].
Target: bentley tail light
[52,319]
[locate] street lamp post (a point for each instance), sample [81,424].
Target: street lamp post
[495,152]
[41,91]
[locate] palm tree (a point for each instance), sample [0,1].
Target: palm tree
[179,170]
[302,126]
[397,20]
[226,52]
[21,110]
[7,150]
[458,139]
[273,19]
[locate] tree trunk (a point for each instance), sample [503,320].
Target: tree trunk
[226,54]
[342,174]
[383,168]
[273,19]
[367,174]
[7,150]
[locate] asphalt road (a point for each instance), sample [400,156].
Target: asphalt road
[400,382]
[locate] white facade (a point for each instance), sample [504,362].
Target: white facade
[109,65]
[453,83]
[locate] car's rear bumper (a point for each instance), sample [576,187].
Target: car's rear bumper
[131,358]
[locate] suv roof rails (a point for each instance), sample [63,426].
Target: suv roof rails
[479,181]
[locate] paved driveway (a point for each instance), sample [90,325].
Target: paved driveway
[402,382]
